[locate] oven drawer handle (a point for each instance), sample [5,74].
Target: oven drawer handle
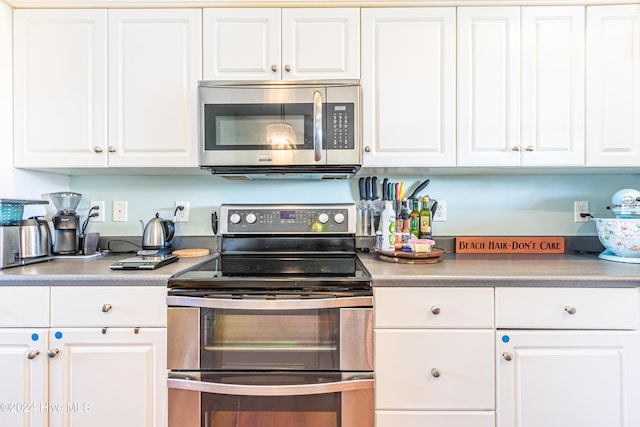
[270,390]
[280,304]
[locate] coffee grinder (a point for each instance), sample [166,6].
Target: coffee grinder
[66,222]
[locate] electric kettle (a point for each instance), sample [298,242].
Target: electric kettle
[158,233]
[35,238]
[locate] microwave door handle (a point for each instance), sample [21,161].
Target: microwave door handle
[270,390]
[317,125]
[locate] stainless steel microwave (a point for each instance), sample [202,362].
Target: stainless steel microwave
[280,129]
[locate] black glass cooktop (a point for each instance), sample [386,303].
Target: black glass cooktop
[311,272]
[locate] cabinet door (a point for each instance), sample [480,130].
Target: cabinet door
[489,86]
[408,87]
[241,44]
[560,378]
[60,88]
[112,306]
[155,59]
[435,419]
[613,85]
[106,378]
[553,86]
[320,43]
[434,369]
[23,369]
[22,306]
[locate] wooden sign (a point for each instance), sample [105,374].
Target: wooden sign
[510,245]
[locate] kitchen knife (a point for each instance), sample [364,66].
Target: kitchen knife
[418,189]
[367,186]
[214,228]
[375,216]
[363,206]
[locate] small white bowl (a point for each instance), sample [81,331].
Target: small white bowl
[620,235]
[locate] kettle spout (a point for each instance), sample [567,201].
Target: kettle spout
[141,225]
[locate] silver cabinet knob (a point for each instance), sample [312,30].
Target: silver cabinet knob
[33,354]
[287,68]
[507,356]
[97,150]
[112,149]
[530,148]
[515,148]
[367,148]
[435,373]
[52,353]
[106,308]
[570,309]
[274,67]
[435,310]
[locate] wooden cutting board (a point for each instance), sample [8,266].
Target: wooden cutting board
[191,253]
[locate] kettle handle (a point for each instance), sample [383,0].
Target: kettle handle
[42,221]
[169,228]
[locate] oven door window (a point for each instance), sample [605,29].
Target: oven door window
[341,408]
[270,340]
[258,126]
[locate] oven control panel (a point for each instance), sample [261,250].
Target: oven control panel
[288,219]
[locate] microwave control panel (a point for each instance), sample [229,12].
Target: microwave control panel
[340,126]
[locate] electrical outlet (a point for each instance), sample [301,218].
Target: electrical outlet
[441,211]
[578,208]
[100,211]
[120,211]
[182,215]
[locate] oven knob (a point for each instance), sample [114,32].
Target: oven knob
[339,218]
[234,218]
[323,218]
[251,218]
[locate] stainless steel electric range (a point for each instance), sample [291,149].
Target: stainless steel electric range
[276,330]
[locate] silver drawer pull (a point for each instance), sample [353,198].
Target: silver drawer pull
[435,310]
[33,354]
[570,309]
[507,356]
[435,373]
[106,308]
[52,353]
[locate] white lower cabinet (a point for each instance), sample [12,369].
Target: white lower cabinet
[435,419]
[567,357]
[107,378]
[103,374]
[434,357]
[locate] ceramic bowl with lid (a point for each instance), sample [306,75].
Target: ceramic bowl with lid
[621,236]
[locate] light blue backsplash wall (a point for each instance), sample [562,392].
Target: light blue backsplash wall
[494,205]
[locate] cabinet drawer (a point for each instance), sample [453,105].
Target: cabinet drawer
[562,308]
[100,306]
[434,369]
[433,307]
[435,419]
[24,306]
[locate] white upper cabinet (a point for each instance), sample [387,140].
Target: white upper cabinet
[60,88]
[64,114]
[408,87]
[613,85]
[154,65]
[488,86]
[520,86]
[281,44]
[552,86]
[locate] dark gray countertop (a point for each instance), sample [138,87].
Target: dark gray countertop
[92,271]
[568,270]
